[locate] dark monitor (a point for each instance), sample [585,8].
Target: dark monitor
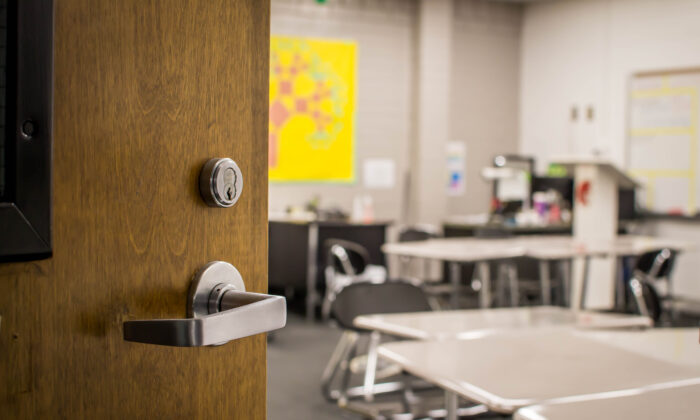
[626,204]
[565,187]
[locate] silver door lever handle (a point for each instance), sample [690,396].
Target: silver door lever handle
[219,309]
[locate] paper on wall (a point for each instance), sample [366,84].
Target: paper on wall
[456,168]
[379,173]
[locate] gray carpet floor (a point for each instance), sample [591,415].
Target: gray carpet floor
[296,356]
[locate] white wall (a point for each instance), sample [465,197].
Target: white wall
[485,92]
[468,76]
[581,53]
[428,201]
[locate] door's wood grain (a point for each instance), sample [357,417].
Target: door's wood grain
[145,93]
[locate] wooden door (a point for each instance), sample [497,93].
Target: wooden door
[145,92]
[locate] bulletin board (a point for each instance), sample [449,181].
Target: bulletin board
[663,140]
[312,110]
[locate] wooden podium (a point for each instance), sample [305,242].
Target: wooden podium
[595,217]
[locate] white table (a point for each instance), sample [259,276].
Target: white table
[655,403]
[675,345]
[455,251]
[473,323]
[543,248]
[508,371]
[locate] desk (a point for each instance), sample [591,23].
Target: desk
[461,250]
[676,345]
[296,254]
[474,323]
[677,402]
[509,371]
[542,248]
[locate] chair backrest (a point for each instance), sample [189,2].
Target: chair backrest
[656,264]
[416,233]
[346,257]
[377,298]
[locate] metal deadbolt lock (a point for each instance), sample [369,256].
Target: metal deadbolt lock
[220,182]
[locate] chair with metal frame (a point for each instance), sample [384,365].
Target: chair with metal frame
[418,233]
[347,263]
[394,296]
[651,268]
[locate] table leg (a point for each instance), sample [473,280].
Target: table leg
[584,283]
[565,272]
[311,270]
[620,284]
[455,280]
[485,277]
[545,282]
[579,282]
[513,284]
[501,277]
[427,264]
[451,405]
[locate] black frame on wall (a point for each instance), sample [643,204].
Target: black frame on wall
[25,203]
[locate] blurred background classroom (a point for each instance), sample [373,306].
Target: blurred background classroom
[485,208]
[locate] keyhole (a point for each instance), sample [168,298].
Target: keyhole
[229,181]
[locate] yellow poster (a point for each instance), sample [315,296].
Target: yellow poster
[312,110]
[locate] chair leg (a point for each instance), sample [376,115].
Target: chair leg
[338,357]
[673,312]
[638,293]
[371,368]
[326,302]
[408,397]
[347,372]
[326,307]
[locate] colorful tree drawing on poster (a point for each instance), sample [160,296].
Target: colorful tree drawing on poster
[312,107]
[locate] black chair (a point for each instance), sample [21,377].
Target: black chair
[346,263]
[651,268]
[366,299]
[418,233]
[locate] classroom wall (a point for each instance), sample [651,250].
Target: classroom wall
[481,99]
[384,31]
[581,53]
[485,91]
[428,175]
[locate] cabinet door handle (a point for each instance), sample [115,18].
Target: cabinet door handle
[219,310]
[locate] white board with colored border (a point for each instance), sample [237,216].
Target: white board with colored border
[663,151]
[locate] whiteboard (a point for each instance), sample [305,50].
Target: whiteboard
[663,151]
